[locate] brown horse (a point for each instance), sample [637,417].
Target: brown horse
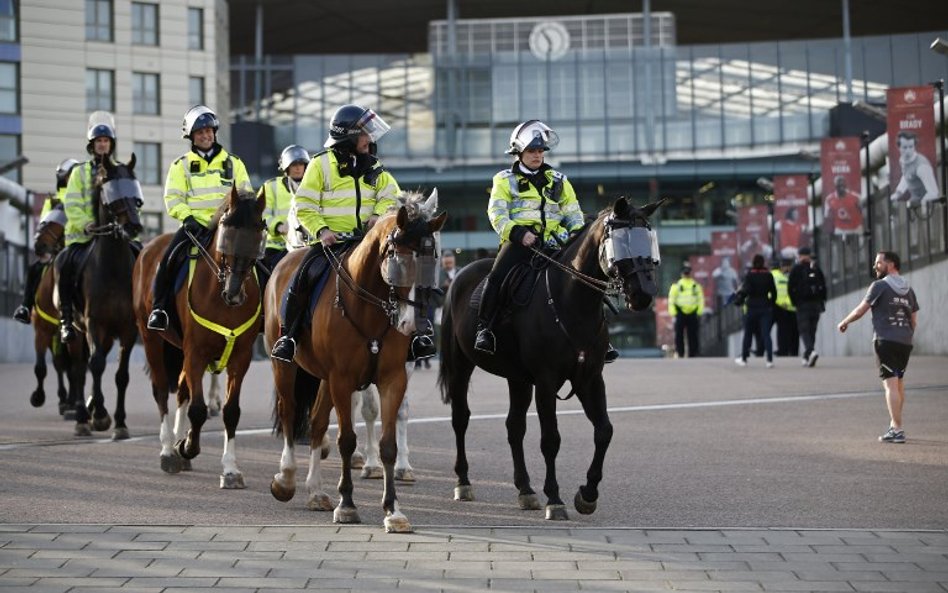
[218,313]
[104,306]
[45,317]
[359,335]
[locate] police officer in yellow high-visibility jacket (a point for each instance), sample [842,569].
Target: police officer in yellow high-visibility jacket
[343,191]
[53,212]
[686,305]
[196,184]
[785,314]
[279,195]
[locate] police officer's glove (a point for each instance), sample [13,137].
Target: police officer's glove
[192,225]
[90,226]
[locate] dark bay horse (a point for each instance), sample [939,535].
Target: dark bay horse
[218,311]
[104,306]
[45,319]
[359,335]
[558,335]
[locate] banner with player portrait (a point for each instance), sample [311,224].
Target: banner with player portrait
[726,275]
[841,175]
[701,268]
[791,215]
[753,233]
[911,128]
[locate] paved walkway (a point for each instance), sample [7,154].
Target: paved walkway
[60,558]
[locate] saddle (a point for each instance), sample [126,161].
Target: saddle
[316,270]
[517,287]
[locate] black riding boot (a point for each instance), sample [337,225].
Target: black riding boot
[164,282]
[284,349]
[65,264]
[33,275]
[611,354]
[485,340]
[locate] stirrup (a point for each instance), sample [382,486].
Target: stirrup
[485,341]
[158,320]
[22,314]
[611,354]
[422,347]
[284,349]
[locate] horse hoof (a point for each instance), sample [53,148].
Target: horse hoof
[69,415]
[185,465]
[38,398]
[213,411]
[556,512]
[405,475]
[397,523]
[324,452]
[583,506]
[101,424]
[529,502]
[64,407]
[465,492]
[281,492]
[182,449]
[120,433]
[170,464]
[358,461]
[319,501]
[345,515]
[82,430]
[233,481]
[372,473]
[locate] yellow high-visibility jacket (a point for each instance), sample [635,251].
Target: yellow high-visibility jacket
[685,296]
[195,187]
[278,197]
[515,201]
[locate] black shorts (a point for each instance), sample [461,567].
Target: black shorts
[892,357]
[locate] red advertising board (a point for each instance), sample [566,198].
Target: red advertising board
[753,234]
[911,128]
[841,175]
[664,325]
[791,215]
[701,268]
[724,245]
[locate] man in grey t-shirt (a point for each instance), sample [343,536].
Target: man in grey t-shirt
[894,318]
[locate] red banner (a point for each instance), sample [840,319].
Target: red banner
[724,245]
[911,128]
[701,268]
[791,215]
[753,234]
[841,175]
[664,325]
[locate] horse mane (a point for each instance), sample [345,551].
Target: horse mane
[416,206]
[591,227]
[243,216]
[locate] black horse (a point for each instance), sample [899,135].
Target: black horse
[104,303]
[557,335]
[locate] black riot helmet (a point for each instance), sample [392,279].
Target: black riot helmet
[350,121]
[63,170]
[101,125]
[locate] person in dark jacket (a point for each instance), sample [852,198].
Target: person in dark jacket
[759,295]
[807,288]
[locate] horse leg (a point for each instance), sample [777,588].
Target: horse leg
[158,374]
[403,470]
[61,365]
[190,447]
[283,484]
[358,400]
[121,384]
[213,398]
[594,405]
[77,387]
[550,448]
[38,397]
[317,498]
[391,395]
[372,466]
[232,478]
[456,393]
[521,394]
[100,415]
[341,392]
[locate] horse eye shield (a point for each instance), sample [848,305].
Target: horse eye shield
[122,189]
[409,269]
[244,243]
[632,242]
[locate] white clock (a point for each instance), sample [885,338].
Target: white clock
[549,40]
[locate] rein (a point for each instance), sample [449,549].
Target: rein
[607,287]
[219,272]
[389,307]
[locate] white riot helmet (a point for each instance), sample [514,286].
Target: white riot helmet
[198,118]
[292,154]
[532,133]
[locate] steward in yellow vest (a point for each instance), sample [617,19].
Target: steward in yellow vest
[686,305]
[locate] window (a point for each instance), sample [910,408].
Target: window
[8,20]
[99,20]
[148,162]
[195,28]
[9,151]
[8,88]
[196,90]
[145,99]
[100,90]
[144,24]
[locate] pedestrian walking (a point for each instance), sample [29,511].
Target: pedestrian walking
[785,315]
[807,288]
[894,319]
[759,294]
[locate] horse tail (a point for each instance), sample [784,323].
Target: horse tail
[304,394]
[448,354]
[174,362]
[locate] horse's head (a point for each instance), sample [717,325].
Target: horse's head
[629,252]
[48,239]
[410,251]
[240,241]
[120,195]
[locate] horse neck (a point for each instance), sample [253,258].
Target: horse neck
[364,264]
[583,255]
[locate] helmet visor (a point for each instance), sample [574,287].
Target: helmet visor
[545,139]
[372,124]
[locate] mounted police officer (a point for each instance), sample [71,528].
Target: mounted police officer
[197,183]
[531,206]
[279,194]
[53,212]
[343,192]
[80,207]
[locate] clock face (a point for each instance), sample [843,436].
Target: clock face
[549,40]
